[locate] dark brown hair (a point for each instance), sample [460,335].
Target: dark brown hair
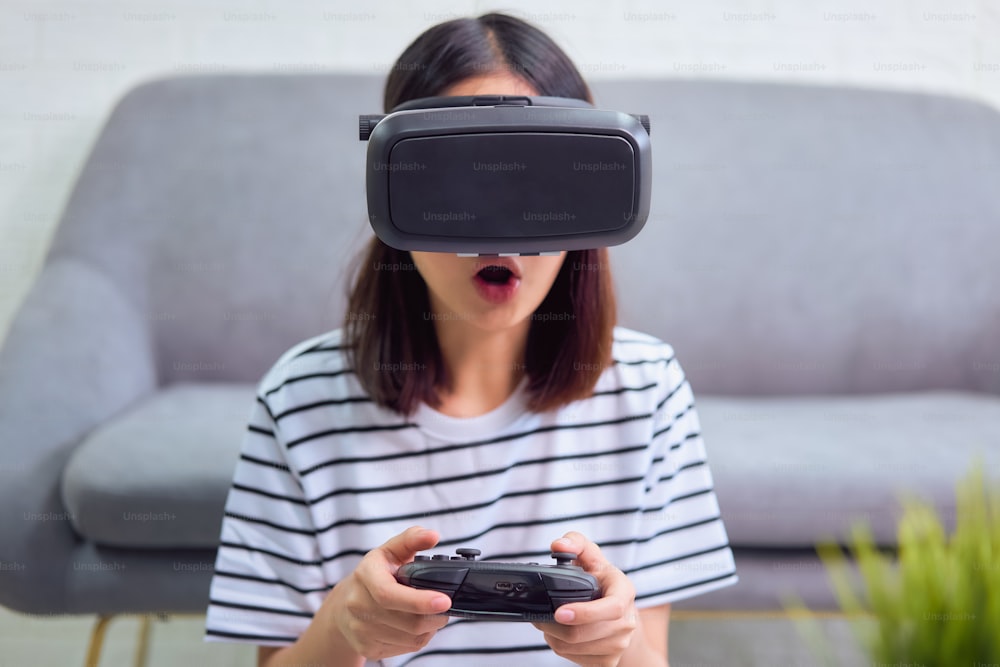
[392,347]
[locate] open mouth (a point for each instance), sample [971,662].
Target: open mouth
[495,275]
[498,280]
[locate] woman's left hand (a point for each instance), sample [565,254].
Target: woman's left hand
[596,633]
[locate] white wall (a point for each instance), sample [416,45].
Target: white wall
[64,64]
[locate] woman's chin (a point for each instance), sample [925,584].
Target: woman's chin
[500,318]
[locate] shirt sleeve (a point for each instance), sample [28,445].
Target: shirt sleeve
[268,581]
[683,548]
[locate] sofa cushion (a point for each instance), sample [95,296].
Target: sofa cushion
[158,474]
[788,472]
[770,579]
[794,471]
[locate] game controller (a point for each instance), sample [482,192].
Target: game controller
[501,591]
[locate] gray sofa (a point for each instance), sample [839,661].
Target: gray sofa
[825,261]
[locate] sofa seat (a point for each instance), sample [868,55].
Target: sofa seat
[791,472]
[782,482]
[783,485]
[148,478]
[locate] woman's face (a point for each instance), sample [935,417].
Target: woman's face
[490,293]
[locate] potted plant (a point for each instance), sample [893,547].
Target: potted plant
[935,600]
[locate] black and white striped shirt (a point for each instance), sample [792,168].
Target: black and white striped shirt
[325,475]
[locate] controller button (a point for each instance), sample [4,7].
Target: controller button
[421,558]
[439,557]
[468,553]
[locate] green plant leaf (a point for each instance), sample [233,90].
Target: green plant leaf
[936,601]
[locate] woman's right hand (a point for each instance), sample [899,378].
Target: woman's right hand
[376,614]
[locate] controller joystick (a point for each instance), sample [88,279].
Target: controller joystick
[501,591]
[563,558]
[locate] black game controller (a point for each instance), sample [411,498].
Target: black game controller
[501,591]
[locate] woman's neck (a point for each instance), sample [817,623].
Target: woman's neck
[485,366]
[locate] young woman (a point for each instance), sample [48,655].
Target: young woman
[494,401]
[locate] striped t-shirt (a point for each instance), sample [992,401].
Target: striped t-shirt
[325,475]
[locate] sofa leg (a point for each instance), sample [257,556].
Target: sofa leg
[142,647]
[101,629]
[97,641]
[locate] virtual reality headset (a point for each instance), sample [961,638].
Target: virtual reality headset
[499,174]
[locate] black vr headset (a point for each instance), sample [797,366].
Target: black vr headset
[500,174]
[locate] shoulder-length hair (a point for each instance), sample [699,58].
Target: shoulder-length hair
[391,344]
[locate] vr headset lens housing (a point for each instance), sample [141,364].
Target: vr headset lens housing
[506,175]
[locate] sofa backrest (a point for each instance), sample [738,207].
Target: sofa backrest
[228,206]
[819,239]
[801,239]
